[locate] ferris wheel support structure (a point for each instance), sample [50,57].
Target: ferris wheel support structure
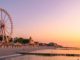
[6,25]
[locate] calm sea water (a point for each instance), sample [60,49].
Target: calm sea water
[37,57]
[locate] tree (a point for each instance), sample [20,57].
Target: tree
[51,44]
[21,40]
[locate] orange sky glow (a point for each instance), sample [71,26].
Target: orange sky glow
[46,20]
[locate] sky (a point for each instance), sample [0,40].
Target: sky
[46,20]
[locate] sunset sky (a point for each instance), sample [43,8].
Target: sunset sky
[46,20]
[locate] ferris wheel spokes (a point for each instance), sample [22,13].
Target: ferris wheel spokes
[6,26]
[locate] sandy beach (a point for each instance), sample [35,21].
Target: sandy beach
[15,50]
[9,51]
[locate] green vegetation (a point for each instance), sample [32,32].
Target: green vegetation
[51,44]
[29,41]
[54,44]
[22,40]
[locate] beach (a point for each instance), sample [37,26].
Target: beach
[9,51]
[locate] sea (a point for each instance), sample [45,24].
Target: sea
[41,57]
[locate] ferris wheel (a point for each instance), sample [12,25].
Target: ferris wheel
[6,25]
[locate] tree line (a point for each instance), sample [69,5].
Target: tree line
[25,41]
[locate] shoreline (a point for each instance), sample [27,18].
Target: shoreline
[15,51]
